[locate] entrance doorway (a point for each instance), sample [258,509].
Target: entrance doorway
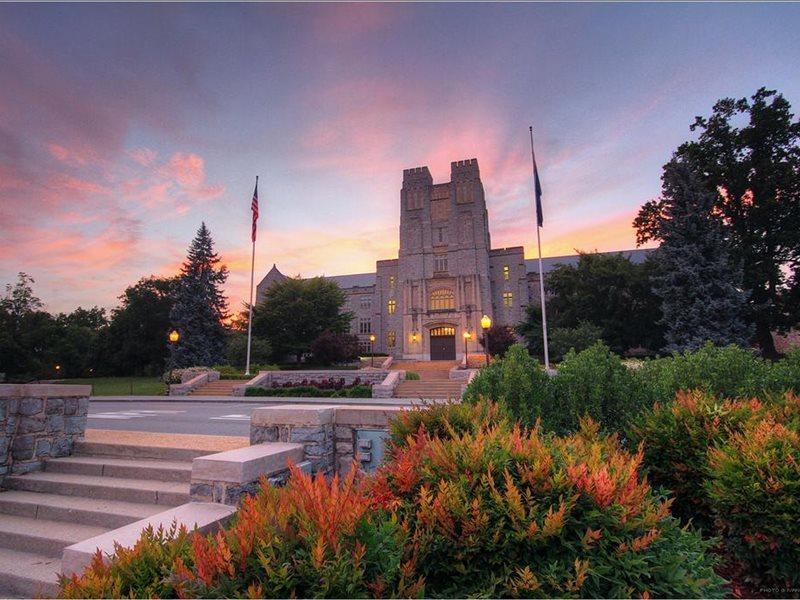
[443,343]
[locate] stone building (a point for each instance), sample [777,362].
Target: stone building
[446,276]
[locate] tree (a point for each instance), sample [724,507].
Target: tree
[77,345]
[699,285]
[753,173]
[135,341]
[200,306]
[606,290]
[236,353]
[331,348]
[500,338]
[294,312]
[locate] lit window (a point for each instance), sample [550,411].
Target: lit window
[442,299]
[391,338]
[508,299]
[440,263]
[506,273]
[392,306]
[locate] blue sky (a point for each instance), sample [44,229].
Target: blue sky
[123,126]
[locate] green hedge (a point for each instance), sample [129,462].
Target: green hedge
[307,391]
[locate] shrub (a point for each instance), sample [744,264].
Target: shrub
[594,382]
[676,438]
[443,420]
[564,339]
[496,511]
[412,376]
[500,338]
[181,375]
[139,572]
[310,539]
[754,491]
[517,382]
[311,391]
[330,347]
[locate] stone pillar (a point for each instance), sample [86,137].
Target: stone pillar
[39,421]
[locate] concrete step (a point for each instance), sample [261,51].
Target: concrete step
[108,514]
[84,448]
[107,466]
[142,491]
[41,536]
[222,387]
[27,575]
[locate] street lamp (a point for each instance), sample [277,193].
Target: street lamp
[174,336]
[467,336]
[486,323]
[371,350]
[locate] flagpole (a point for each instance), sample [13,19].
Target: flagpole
[250,316]
[541,270]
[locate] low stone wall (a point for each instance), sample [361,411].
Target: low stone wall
[183,388]
[385,389]
[267,378]
[39,421]
[329,434]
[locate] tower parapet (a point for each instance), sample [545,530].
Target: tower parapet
[417,176]
[465,169]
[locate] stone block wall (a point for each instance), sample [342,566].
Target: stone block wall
[267,378]
[38,422]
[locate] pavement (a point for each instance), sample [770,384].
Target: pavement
[203,416]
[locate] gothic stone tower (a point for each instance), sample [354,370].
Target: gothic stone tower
[443,264]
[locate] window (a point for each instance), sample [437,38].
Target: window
[442,299]
[440,263]
[392,306]
[365,326]
[391,338]
[506,272]
[366,303]
[440,235]
[508,299]
[363,346]
[391,282]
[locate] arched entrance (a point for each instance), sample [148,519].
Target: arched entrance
[443,343]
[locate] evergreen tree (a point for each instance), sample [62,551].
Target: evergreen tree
[699,285]
[200,306]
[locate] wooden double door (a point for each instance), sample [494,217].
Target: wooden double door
[443,343]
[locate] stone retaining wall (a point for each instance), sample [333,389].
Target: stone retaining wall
[267,378]
[39,421]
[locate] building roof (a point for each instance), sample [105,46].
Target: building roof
[550,262]
[354,280]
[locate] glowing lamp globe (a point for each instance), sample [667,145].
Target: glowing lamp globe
[174,336]
[486,322]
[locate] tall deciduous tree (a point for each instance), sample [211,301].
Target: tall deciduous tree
[296,311]
[200,306]
[699,285]
[135,341]
[753,171]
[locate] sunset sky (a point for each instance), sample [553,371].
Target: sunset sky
[122,127]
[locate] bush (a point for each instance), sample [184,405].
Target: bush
[596,383]
[754,491]
[139,572]
[564,339]
[443,420]
[310,391]
[496,511]
[518,383]
[676,438]
[330,348]
[310,539]
[181,375]
[500,338]
[412,376]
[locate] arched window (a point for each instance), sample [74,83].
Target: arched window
[392,306]
[442,299]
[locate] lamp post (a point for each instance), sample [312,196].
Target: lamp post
[467,336]
[371,350]
[486,323]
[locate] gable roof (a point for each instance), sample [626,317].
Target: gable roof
[354,280]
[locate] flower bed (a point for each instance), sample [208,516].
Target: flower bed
[311,391]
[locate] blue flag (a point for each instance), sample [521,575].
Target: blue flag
[538,192]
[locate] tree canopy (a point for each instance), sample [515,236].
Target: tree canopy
[747,155]
[295,312]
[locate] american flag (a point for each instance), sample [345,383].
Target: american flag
[254,208]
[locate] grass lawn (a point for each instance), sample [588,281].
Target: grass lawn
[122,386]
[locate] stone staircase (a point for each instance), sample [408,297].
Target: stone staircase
[429,390]
[100,487]
[221,387]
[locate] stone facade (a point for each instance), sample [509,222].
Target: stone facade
[446,276]
[38,422]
